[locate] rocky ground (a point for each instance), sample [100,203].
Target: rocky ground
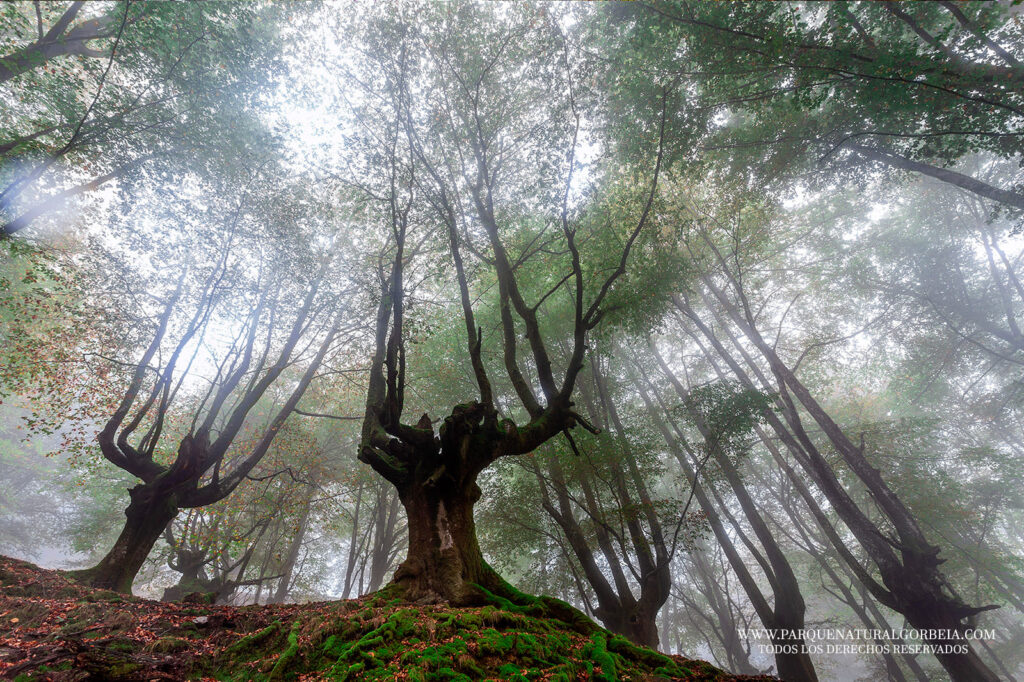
[52,628]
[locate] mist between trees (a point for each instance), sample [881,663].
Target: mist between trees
[701,317]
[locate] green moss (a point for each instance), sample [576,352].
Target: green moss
[124,670]
[597,651]
[283,664]
[169,645]
[124,646]
[512,672]
[251,643]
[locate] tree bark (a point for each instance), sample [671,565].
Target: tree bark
[437,488]
[444,555]
[148,513]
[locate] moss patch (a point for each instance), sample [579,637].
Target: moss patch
[87,634]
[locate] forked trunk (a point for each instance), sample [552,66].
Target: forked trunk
[639,624]
[146,517]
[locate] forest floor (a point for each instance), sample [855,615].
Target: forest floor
[52,628]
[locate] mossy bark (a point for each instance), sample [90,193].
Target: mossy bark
[639,625]
[146,517]
[444,559]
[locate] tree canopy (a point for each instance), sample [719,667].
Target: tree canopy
[703,319]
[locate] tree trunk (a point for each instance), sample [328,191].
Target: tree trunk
[190,566]
[727,630]
[147,515]
[285,583]
[444,554]
[385,537]
[638,624]
[435,477]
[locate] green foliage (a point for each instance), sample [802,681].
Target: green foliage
[784,87]
[728,411]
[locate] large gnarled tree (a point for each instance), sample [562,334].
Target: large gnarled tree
[469,145]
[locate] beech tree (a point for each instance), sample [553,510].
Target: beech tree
[635,534]
[233,279]
[471,192]
[253,537]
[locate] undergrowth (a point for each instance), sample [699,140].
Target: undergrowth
[54,629]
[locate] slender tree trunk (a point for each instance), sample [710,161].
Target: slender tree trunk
[726,630]
[350,567]
[284,585]
[789,607]
[618,609]
[960,180]
[386,515]
[862,607]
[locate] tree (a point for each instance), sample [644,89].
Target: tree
[144,92]
[798,88]
[254,536]
[225,427]
[638,528]
[449,96]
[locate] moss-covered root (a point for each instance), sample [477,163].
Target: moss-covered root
[250,643]
[508,598]
[354,657]
[284,663]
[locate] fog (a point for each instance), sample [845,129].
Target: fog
[704,319]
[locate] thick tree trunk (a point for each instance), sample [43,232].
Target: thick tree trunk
[436,482]
[146,517]
[638,624]
[444,555]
